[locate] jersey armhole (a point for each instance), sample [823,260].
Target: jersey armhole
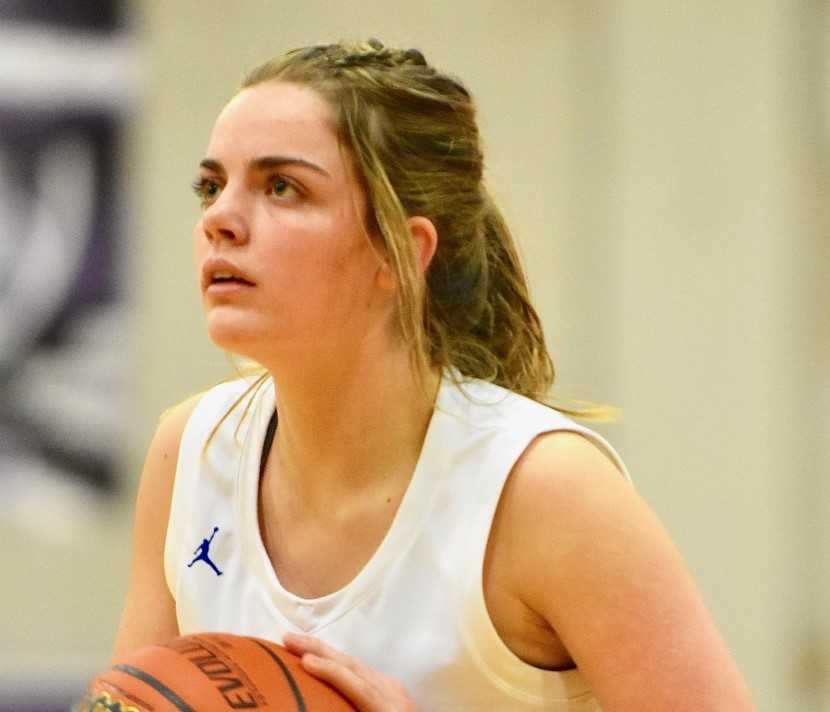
[604,446]
[493,657]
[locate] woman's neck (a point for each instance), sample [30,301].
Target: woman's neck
[348,426]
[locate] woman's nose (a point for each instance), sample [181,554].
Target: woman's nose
[224,220]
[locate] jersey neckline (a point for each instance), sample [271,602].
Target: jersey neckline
[312,614]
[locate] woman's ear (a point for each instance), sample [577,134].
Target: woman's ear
[424,243]
[424,240]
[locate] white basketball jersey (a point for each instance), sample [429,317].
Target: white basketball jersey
[416,611]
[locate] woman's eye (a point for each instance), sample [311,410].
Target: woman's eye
[280,187]
[206,190]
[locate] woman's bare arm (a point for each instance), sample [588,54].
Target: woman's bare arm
[149,614]
[597,565]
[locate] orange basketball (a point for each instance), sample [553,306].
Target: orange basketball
[211,672]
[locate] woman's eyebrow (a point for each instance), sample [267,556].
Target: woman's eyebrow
[210,165]
[268,162]
[265,163]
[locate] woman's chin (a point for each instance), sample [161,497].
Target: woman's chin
[235,337]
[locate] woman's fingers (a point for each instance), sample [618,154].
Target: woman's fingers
[356,688]
[302,644]
[367,689]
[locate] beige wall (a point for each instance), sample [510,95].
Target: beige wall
[662,165]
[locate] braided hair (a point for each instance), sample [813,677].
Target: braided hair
[413,138]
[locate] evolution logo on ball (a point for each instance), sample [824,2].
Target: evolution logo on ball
[231,682]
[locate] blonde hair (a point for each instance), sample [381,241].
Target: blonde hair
[412,135]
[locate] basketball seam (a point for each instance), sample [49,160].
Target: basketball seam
[292,683]
[157,685]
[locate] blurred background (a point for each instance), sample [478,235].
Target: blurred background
[664,166]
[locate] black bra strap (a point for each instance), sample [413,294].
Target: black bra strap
[269,440]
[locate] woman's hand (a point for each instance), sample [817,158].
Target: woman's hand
[367,689]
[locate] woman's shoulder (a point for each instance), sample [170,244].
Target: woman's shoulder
[592,556]
[163,451]
[573,477]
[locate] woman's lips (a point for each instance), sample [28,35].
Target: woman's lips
[219,271]
[227,286]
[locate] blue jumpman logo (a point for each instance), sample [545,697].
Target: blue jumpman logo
[202,553]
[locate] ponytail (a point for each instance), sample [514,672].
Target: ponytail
[479,317]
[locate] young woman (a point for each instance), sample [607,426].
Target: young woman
[390,497]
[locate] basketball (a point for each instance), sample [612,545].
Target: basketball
[210,672]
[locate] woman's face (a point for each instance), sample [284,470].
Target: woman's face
[281,250]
